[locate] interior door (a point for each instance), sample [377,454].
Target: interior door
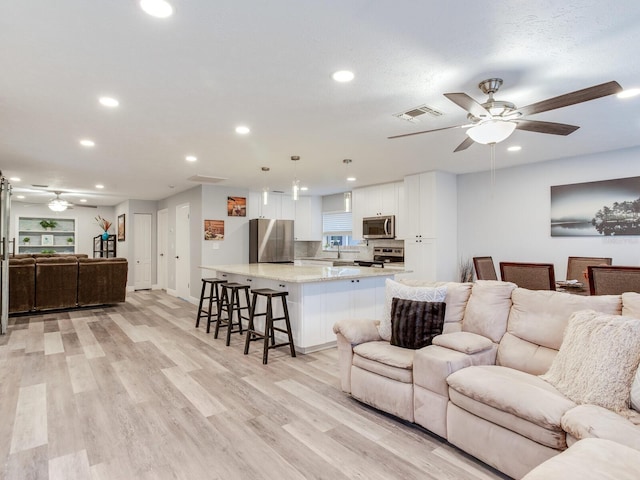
[163,242]
[142,251]
[182,260]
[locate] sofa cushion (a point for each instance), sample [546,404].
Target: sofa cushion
[456,299]
[398,290]
[465,342]
[414,324]
[597,360]
[537,321]
[515,400]
[385,359]
[488,309]
[590,459]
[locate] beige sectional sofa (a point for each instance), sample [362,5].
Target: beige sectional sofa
[478,385]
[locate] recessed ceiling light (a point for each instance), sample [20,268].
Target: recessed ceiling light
[15,179]
[628,93]
[343,76]
[87,143]
[190,158]
[83,200]
[20,197]
[304,189]
[157,8]
[99,186]
[351,179]
[515,148]
[242,130]
[109,101]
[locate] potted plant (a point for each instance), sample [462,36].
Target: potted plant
[26,240]
[104,224]
[70,240]
[48,224]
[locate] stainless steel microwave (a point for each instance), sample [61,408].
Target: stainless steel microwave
[382,226]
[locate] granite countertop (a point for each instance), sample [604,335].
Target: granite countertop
[303,273]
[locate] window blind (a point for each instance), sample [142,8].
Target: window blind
[336,223]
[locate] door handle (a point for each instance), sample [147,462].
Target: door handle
[162,254]
[177,256]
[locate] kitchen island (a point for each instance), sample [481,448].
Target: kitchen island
[318,296]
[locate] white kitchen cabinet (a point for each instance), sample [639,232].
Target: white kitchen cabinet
[308,219]
[278,207]
[374,201]
[429,226]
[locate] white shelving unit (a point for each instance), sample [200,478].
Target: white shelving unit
[41,240]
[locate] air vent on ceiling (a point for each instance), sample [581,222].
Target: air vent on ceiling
[411,115]
[205,179]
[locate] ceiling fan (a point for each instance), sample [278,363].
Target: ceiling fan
[60,205]
[495,120]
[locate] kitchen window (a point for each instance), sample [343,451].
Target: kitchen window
[336,230]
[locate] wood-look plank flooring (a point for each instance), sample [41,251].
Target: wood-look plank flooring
[135,391]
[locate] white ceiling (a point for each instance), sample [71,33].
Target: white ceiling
[186,82]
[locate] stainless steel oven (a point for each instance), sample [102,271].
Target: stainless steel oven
[382,226]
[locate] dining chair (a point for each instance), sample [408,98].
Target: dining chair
[577,268]
[485,269]
[533,276]
[613,280]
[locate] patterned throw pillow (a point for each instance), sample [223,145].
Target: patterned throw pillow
[414,323]
[395,289]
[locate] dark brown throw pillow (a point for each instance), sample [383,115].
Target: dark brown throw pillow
[414,323]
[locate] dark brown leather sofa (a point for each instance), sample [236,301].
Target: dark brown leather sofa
[43,282]
[102,280]
[22,284]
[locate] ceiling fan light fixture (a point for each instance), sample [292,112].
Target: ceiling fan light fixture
[58,205]
[157,8]
[491,131]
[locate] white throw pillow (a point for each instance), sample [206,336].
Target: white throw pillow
[398,290]
[597,360]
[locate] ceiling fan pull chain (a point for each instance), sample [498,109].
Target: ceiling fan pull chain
[493,167]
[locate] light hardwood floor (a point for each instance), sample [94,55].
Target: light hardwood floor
[135,391]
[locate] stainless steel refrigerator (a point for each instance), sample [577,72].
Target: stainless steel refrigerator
[270,241]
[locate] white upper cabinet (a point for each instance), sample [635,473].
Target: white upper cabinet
[279,206]
[375,201]
[308,219]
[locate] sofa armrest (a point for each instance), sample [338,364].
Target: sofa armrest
[592,421]
[433,364]
[358,331]
[348,334]
[464,342]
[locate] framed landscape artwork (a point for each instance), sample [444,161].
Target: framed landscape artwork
[214,229]
[237,206]
[603,208]
[121,231]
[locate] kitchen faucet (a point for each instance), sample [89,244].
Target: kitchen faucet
[337,244]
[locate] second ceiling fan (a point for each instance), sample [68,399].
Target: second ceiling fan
[494,120]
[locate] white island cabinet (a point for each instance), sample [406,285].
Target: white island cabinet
[318,296]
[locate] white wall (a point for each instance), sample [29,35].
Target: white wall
[86,227]
[510,221]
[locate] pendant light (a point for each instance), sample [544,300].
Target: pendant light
[265,189]
[295,186]
[347,195]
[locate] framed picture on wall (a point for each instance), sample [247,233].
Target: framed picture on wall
[214,229]
[601,208]
[46,240]
[121,230]
[236,206]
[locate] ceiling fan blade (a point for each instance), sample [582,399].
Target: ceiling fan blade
[464,145]
[546,127]
[469,104]
[428,131]
[572,98]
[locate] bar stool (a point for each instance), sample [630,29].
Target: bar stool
[230,303]
[214,296]
[269,329]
